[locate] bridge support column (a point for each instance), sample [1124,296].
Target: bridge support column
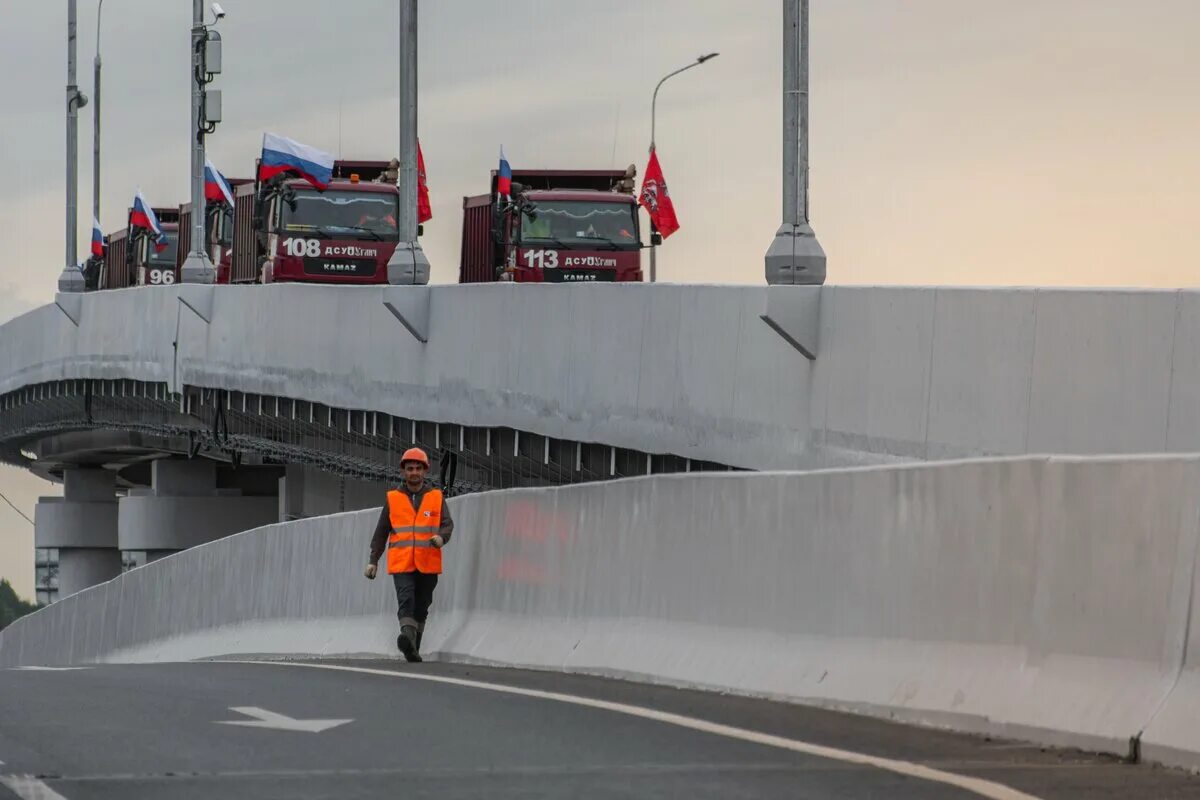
[184,508]
[310,492]
[82,526]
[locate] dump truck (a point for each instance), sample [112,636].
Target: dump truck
[131,259]
[284,229]
[557,226]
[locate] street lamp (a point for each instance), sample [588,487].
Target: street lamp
[71,279]
[206,113]
[408,264]
[96,121]
[795,256]
[653,127]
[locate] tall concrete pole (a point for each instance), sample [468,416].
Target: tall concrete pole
[96,121]
[795,256]
[196,267]
[71,279]
[408,264]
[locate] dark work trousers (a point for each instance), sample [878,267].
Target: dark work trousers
[414,593]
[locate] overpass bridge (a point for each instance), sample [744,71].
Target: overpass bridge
[181,414]
[871,568]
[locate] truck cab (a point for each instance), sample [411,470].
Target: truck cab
[287,230]
[131,259]
[560,226]
[152,266]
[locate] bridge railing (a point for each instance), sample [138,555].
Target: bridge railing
[1037,597]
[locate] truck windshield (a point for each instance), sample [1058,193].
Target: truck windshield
[166,256]
[345,215]
[580,223]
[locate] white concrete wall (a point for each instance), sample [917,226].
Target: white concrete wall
[1039,597]
[688,370]
[935,372]
[901,373]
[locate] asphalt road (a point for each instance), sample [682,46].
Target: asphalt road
[157,731]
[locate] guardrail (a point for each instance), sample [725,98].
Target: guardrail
[1044,598]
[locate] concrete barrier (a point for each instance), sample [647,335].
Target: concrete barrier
[1173,735]
[909,373]
[1044,598]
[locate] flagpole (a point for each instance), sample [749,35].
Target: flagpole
[653,128]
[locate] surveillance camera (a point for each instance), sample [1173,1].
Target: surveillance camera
[218,12]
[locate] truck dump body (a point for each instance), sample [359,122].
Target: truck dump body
[244,267]
[219,243]
[479,257]
[117,272]
[596,180]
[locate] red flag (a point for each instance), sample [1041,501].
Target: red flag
[657,200]
[424,209]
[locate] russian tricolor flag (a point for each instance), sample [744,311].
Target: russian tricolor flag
[143,217]
[280,154]
[504,177]
[216,188]
[97,239]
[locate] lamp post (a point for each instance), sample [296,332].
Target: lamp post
[795,256]
[206,113]
[408,264]
[71,279]
[197,268]
[653,128]
[96,121]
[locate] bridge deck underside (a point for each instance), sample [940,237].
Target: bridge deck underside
[234,426]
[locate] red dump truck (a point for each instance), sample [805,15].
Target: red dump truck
[286,230]
[560,226]
[131,259]
[219,233]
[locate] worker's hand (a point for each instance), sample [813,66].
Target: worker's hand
[437,541]
[369,572]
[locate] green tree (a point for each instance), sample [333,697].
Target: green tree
[11,606]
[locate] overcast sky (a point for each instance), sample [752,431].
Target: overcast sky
[953,141]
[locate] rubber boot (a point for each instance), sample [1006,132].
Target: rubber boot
[420,635]
[407,642]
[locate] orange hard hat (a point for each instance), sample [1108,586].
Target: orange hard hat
[415,454]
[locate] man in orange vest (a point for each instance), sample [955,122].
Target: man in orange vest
[415,525]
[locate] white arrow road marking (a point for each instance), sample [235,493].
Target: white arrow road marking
[269,719]
[978,786]
[28,788]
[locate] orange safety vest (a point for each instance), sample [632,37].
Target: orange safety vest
[410,546]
